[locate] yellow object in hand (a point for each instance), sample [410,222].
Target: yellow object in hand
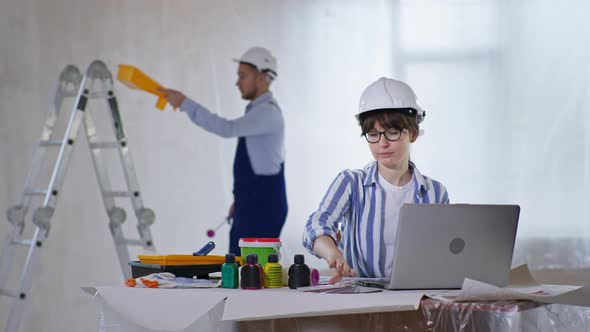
[136,79]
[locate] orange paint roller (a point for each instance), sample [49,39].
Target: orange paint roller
[134,78]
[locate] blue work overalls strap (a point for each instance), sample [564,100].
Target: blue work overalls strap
[260,201]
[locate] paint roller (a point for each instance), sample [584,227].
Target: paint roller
[134,78]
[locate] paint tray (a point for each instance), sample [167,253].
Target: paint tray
[180,265]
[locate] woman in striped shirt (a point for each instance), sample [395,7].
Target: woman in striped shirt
[355,226]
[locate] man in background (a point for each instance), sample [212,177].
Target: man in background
[260,200]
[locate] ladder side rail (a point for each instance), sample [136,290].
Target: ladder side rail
[39,155]
[144,216]
[67,146]
[18,213]
[125,155]
[102,175]
[42,216]
[68,84]
[99,72]
[116,214]
[32,261]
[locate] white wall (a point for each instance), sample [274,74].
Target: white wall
[512,127]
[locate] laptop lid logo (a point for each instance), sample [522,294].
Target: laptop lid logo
[457,245]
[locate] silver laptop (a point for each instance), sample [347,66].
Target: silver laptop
[439,245]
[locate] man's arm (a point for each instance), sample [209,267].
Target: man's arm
[262,120]
[259,121]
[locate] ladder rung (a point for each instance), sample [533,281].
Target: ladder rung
[26,243]
[36,192]
[98,95]
[4,292]
[133,242]
[118,194]
[104,145]
[51,143]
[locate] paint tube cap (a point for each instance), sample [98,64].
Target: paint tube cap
[273,258]
[252,259]
[230,258]
[299,259]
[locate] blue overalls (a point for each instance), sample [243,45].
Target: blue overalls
[260,201]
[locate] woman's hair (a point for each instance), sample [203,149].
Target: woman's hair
[389,119]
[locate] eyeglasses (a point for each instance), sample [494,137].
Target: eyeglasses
[391,134]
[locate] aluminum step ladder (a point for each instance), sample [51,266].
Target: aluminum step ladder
[96,84]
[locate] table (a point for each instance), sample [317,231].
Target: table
[140,310]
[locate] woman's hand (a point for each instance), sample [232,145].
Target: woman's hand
[325,247]
[336,261]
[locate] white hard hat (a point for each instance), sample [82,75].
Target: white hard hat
[387,94]
[261,59]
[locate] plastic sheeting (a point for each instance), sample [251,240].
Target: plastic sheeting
[502,316]
[553,253]
[433,315]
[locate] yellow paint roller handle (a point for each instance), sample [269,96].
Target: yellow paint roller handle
[161,104]
[136,79]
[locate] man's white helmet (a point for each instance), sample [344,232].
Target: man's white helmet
[392,95]
[261,59]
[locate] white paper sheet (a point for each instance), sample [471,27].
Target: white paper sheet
[159,309]
[284,303]
[339,289]
[176,309]
[522,286]
[478,291]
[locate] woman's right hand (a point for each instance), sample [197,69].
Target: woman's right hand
[336,261]
[324,246]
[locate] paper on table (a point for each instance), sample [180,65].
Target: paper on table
[339,289]
[522,286]
[285,303]
[320,288]
[160,309]
[444,294]
[478,291]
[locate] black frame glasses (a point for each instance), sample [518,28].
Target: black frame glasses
[391,134]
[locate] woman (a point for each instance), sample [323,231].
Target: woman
[364,204]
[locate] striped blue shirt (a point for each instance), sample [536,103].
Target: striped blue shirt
[262,125]
[355,204]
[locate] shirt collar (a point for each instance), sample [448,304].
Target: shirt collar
[420,182]
[263,98]
[372,176]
